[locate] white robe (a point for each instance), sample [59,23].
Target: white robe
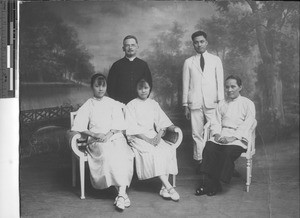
[234,118]
[146,117]
[110,163]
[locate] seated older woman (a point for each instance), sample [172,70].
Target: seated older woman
[110,159]
[230,135]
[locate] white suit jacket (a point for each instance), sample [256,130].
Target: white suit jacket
[202,87]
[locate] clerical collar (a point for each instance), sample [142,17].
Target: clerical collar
[130,59]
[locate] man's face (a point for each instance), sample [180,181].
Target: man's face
[130,48]
[200,44]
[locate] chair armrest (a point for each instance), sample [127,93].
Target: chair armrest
[173,135]
[77,143]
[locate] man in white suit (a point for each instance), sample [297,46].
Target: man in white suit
[203,88]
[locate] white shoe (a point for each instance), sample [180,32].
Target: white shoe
[122,202]
[173,194]
[164,193]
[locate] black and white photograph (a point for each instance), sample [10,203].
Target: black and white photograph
[150,109]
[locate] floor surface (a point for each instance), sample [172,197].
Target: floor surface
[46,191]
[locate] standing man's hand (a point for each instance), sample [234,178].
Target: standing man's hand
[187,112]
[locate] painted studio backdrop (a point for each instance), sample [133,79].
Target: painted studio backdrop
[63,43]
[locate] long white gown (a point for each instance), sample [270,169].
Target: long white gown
[146,117]
[110,163]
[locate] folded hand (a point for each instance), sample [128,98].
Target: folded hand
[101,137]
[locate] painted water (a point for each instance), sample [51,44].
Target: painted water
[38,96]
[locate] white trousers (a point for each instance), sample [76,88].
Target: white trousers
[198,118]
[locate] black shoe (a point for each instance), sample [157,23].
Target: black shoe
[202,190]
[211,193]
[215,189]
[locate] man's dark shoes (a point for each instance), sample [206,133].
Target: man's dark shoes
[216,189]
[202,190]
[211,193]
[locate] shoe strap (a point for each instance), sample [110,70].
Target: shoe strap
[123,196]
[120,196]
[171,190]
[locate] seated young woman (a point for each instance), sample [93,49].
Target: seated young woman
[231,131]
[110,158]
[146,124]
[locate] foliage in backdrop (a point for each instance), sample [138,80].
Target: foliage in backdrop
[50,49]
[257,40]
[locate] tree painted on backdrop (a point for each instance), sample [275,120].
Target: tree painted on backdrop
[229,37]
[50,50]
[269,29]
[165,60]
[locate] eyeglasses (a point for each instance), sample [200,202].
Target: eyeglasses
[130,46]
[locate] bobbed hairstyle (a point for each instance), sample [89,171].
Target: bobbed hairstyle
[199,33]
[236,78]
[142,81]
[98,78]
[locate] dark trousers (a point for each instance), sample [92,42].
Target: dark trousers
[218,160]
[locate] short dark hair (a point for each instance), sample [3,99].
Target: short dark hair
[99,78]
[199,33]
[142,81]
[130,37]
[236,78]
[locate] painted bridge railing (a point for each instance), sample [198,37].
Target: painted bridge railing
[36,139]
[45,114]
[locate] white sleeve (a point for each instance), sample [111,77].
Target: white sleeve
[161,119]
[244,130]
[81,120]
